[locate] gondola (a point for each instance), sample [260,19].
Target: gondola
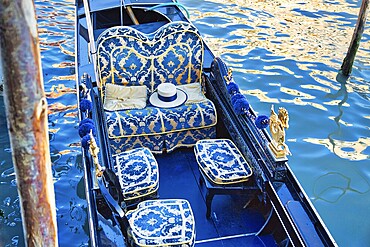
[173,153]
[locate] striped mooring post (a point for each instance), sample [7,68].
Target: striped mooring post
[26,112]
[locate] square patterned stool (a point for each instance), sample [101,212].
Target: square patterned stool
[153,223]
[223,168]
[168,222]
[138,174]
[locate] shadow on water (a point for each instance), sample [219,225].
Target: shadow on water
[341,93]
[331,187]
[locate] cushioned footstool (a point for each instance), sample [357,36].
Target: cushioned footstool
[138,174]
[223,168]
[167,222]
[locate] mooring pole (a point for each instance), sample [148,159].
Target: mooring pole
[356,38]
[26,111]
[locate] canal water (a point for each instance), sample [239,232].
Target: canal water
[284,53]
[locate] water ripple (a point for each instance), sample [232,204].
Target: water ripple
[285,53]
[8,173]
[332,186]
[288,53]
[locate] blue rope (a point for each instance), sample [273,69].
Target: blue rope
[171,4]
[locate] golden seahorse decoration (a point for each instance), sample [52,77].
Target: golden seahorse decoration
[278,123]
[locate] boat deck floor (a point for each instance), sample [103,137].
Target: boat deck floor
[230,224]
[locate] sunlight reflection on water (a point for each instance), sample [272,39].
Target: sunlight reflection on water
[288,53]
[285,53]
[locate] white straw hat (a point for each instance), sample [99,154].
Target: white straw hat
[167,96]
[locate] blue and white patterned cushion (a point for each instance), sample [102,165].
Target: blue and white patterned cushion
[154,142]
[187,138]
[137,172]
[167,222]
[221,161]
[191,116]
[173,53]
[152,120]
[135,122]
[169,141]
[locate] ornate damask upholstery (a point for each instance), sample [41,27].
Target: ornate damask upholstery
[173,53]
[221,161]
[187,138]
[156,143]
[151,120]
[167,222]
[137,172]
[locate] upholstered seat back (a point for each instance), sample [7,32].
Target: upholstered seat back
[173,53]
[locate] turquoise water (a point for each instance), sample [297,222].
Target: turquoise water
[285,53]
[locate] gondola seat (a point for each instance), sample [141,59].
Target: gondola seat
[167,222]
[133,64]
[138,174]
[223,169]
